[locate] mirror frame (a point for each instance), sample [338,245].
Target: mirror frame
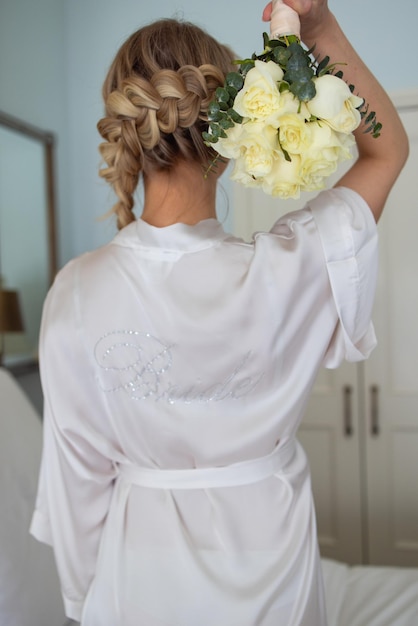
[47,139]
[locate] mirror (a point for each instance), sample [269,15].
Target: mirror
[28,260]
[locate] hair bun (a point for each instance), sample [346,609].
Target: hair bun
[156,95]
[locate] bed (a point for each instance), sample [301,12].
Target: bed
[364,595]
[29,589]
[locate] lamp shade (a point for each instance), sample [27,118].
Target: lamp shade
[10,315]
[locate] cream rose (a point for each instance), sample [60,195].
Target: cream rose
[335,103]
[259,98]
[284,179]
[315,170]
[347,120]
[293,133]
[326,149]
[259,144]
[240,175]
[229,146]
[288,103]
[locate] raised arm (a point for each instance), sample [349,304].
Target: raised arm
[380,160]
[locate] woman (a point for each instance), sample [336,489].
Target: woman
[177,361]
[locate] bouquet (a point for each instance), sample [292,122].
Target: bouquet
[285,119]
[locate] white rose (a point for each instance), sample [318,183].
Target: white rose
[326,149]
[303,110]
[347,120]
[345,145]
[315,171]
[288,103]
[259,144]
[293,133]
[335,103]
[229,146]
[284,179]
[260,98]
[240,175]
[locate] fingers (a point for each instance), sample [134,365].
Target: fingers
[267,12]
[303,7]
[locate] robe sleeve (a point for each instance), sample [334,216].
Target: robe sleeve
[348,235]
[77,471]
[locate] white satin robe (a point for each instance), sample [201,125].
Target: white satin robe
[184,348]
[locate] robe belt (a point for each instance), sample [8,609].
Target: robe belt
[242,473]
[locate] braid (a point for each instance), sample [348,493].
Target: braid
[154,117]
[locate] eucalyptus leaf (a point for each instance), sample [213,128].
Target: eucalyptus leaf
[377,129]
[214,111]
[226,123]
[296,49]
[216,131]
[322,65]
[281,56]
[304,91]
[274,43]
[246,67]
[302,75]
[235,117]
[207,137]
[222,94]
[234,79]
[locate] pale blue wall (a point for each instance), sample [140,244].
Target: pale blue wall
[33,82]
[54,55]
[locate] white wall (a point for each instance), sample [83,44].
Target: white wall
[54,55]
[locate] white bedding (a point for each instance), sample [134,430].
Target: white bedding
[370,596]
[29,589]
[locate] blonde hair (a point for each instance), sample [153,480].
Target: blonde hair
[156,95]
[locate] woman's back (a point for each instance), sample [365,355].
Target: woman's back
[171,381]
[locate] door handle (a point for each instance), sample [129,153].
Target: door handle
[374,410]
[347,410]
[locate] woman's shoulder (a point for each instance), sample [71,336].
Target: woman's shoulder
[84,269]
[333,213]
[88,262]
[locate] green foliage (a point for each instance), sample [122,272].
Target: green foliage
[213,165]
[299,73]
[221,114]
[372,125]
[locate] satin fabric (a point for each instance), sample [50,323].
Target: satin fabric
[184,347]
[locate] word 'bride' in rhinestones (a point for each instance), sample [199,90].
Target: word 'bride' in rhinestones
[139,364]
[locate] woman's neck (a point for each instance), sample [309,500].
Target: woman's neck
[181,195]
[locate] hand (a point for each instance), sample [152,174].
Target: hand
[312,15]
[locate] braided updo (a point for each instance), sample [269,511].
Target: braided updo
[156,97]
